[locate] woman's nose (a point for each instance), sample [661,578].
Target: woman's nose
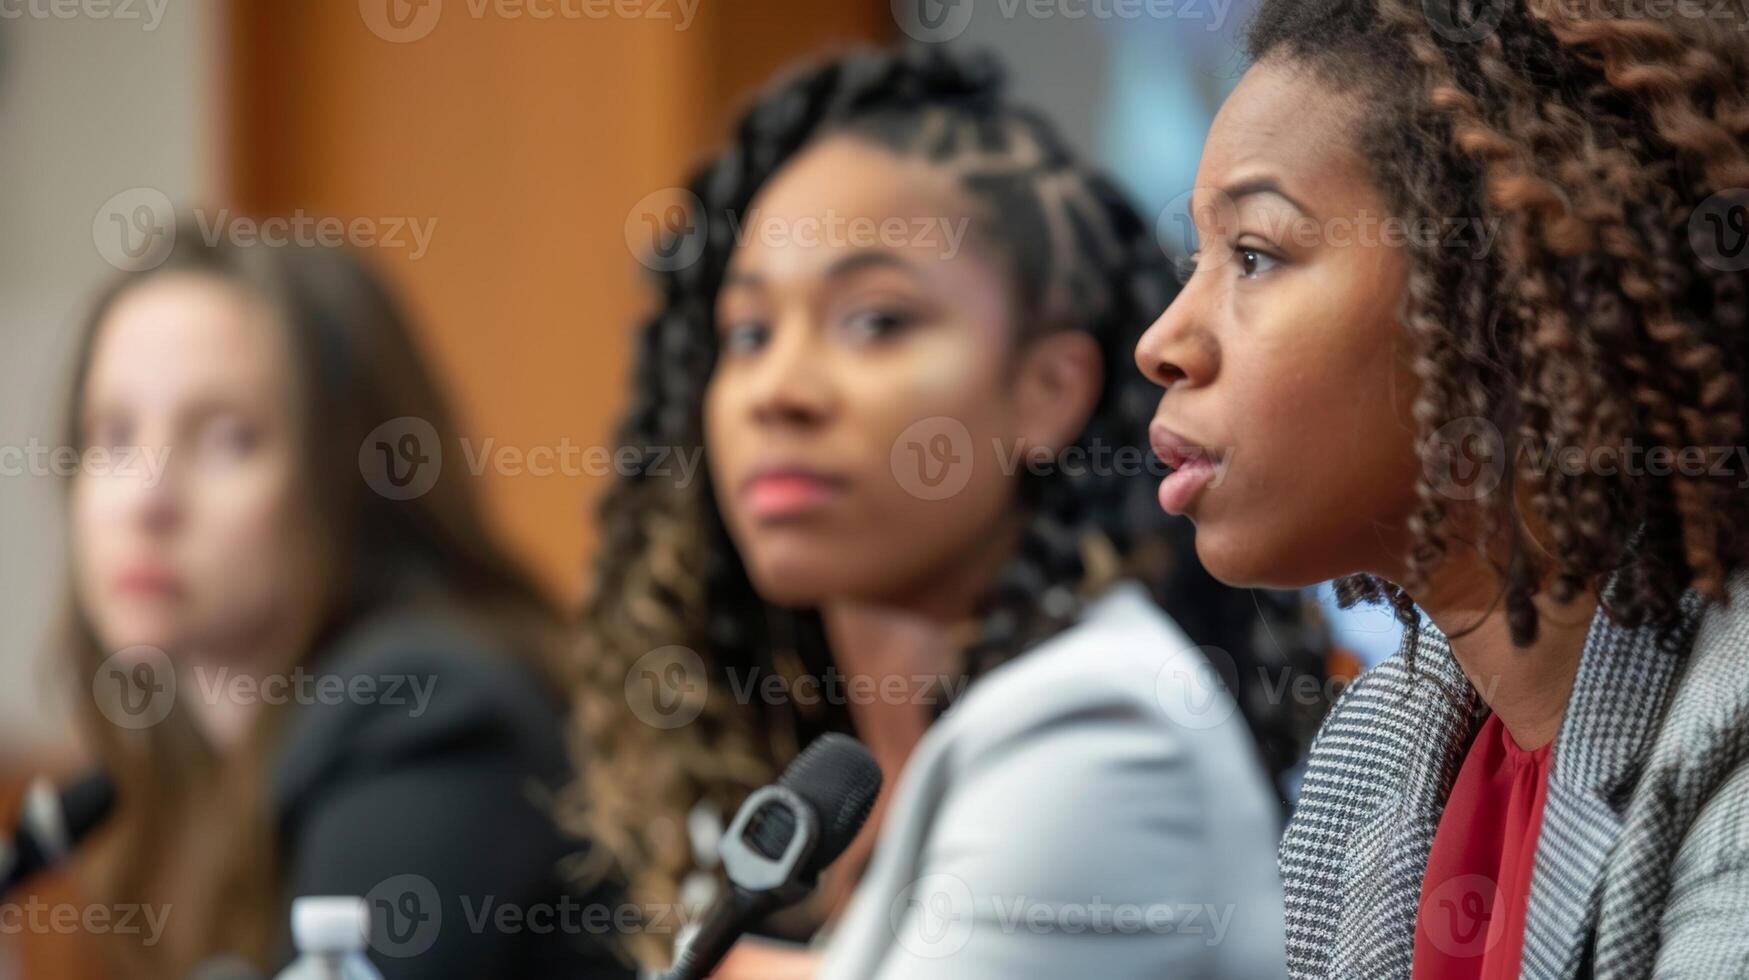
[1177,348]
[794,383]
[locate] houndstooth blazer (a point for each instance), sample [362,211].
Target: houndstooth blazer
[1642,866]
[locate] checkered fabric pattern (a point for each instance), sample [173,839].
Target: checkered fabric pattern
[1643,860]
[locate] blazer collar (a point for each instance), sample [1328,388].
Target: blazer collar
[1620,692]
[1623,686]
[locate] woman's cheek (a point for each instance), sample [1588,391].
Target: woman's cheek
[247,547]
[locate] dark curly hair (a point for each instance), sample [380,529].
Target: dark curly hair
[1593,138]
[668,574]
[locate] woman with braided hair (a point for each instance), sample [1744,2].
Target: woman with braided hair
[1466,327]
[924,478]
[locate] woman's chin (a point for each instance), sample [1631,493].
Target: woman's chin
[1247,563]
[793,581]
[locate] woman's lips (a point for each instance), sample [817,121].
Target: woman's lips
[1193,467]
[1183,483]
[788,494]
[148,582]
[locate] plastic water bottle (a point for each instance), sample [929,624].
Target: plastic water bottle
[330,933]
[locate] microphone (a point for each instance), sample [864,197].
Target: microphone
[782,838]
[51,824]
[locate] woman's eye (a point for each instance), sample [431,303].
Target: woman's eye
[745,336]
[1253,263]
[876,324]
[230,437]
[110,434]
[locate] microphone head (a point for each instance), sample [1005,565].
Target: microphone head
[86,803]
[837,777]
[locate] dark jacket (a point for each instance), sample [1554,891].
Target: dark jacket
[417,773]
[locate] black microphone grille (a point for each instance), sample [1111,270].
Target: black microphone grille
[838,777]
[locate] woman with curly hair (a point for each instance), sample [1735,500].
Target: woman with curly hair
[923,478]
[1468,285]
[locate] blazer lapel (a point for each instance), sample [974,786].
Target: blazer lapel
[1623,685]
[1393,840]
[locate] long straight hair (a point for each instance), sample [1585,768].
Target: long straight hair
[194,831]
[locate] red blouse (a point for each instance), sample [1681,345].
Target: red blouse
[1473,898]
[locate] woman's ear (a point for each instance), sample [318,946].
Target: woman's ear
[1057,383]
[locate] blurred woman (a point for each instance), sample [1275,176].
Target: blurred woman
[904,348]
[300,657]
[1468,321]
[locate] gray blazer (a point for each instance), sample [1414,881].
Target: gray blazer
[1094,808]
[1642,867]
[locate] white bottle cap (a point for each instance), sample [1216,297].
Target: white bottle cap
[330,923]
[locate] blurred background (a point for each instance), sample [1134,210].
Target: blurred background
[498,161]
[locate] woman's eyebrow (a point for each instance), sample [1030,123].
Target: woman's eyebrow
[1262,185]
[868,259]
[741,278]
